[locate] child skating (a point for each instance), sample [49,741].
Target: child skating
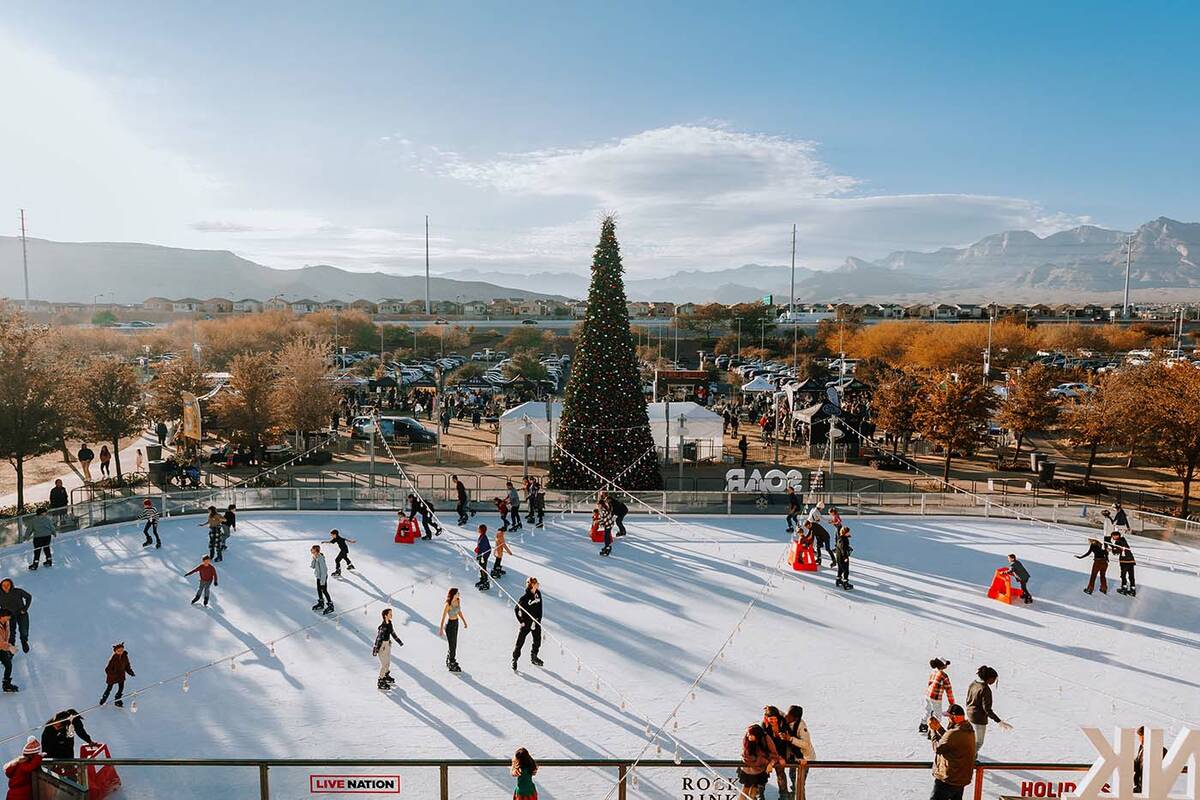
[343,546]
[208,579]
[499,549]
[115,670]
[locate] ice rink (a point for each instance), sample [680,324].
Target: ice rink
[647,620]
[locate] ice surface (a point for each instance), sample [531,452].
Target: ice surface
[648,619]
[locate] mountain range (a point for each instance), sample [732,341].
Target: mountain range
[1083,263]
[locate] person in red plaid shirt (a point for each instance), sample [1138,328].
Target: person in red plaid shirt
[939,685]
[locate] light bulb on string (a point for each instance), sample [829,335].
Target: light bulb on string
[272,649]
[307,636]
[657,747]
[185,686]
[677,758]
[133,707]
[232,663]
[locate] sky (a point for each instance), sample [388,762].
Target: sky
[302,132]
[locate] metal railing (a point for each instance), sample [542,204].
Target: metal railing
[621,772]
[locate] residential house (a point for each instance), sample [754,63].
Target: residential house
[277,303]
[447,308]
[247,305]
[502,307]
[638,308]
[392,305]
[304,306]
[334,304]
[970,311]
[365,306]
[217,305]
[414,307]
[157,304]
[685,308]
[662,309]
[578,308]
[186,305]
[475,308]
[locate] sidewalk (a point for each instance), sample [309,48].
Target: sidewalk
[72,478]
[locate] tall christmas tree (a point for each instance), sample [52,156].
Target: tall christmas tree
[605,424]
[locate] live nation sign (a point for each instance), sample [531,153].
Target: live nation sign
[354,784]
[1160,772]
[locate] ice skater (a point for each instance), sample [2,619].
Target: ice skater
[979,705]
[813,525]
[619,512]
[793,512]
[16,601]
[529,615]
[514,506]
[937,687]
[150,514]
[1120,548]
[208,578]
[843,559]
[483,551]
[535,498]
[604,519]
[115,670]
[228,524]
[41,531]
[321,573]
[523,769]
[452,615]
[1018,571]
[499,549]
[343,546]
[418,506]
[7,650]
[382,650]
[463,504]
[502,510]
[800,744]
[216,545]
[1099,566]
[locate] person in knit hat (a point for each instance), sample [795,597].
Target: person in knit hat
[20,771]
[937,687]
[150,514]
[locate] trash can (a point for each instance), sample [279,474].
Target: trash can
[1035,458]
[154,452]
[157,471]
[1046,471]
[689,451]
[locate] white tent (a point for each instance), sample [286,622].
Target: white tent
[543,422]
[700,426]
[759,384]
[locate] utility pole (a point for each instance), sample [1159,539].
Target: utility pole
[739,336]
[428,306]
[792,292]
[675,325]
[1128,262]
[25,260]
[987,356]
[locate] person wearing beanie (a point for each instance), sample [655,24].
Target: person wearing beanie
[20,771]
[937,686]
[953,754]
[843,551]
[150,514]
[114,674]
[41,530]
[979,704]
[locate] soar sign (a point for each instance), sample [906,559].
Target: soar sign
[773,481]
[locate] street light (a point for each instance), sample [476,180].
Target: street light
[738,320]
[526,435]
[682,431]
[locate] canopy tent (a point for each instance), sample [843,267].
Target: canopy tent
[701,428]
[759,384]
[510,440]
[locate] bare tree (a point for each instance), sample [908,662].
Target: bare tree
[34,397]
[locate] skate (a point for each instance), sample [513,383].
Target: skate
[33,566]
[514,665]
[1122,590]
[539,525]
[388,679]
[49,563]
[337,573]
[147,543]
[12,688]
[317,607]
[1087,591]
[620,533]
[119,703]
[847,585]
[838,583]
[195,600]
[349,566]
[537,662]
[1028,600]
[604,551]
[158,545]
[923,729]
[383,685]
[1132,591]
[328,610]
[483,586]
[426,537]
[496,574]
[454,667]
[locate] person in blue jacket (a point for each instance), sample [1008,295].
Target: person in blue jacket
[483,552]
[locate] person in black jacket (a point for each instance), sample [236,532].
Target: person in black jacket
[343,546]
[529,615]
[1119,547]
[979,704]
[843,551]
[793,515]
[59,502]
[418,505]
[463,502]
[1099,566]
[17,602]
[619,510]
[384,636]
[58,737]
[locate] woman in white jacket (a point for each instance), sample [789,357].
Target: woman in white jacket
[801,746]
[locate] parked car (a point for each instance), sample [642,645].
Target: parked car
[1072,390]
[401,429]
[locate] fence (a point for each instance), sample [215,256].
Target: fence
[686,779]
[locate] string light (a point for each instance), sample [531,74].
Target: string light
[133,707]
[185,686]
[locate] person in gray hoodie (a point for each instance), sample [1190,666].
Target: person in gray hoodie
[321,573]
[514,506]
[41,530]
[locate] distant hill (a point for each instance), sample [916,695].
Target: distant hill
[67,271]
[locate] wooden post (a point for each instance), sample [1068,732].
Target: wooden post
[264,783]
[801,776]
[622,774]
[444,780]
[978,783]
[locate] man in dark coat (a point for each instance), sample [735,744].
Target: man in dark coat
[17,602]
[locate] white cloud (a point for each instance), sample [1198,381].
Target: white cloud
[707,196]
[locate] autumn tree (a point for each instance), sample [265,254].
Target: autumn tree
[953,412]
[351,329]
[166,391]
[525,366]
[895,403]
[527,338]
[303,394]
[1171,414]
[1089,423]
[245,406]
[34,397]
[706,318]
[111,403]
[1029,406]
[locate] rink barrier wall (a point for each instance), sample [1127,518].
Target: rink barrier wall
[1028,509]
[621,766]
